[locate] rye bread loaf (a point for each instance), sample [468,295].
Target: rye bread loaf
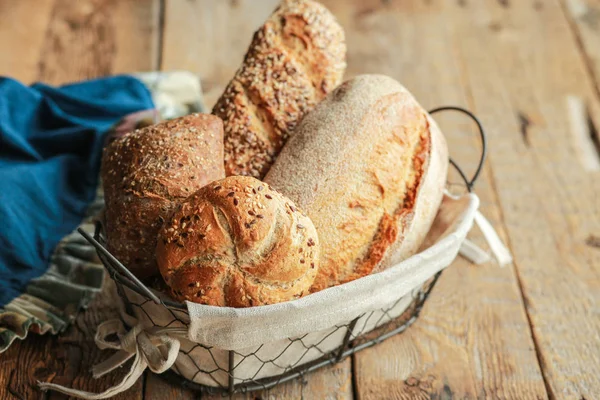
[146,173]
[238,243]
[294,60]
[368,165]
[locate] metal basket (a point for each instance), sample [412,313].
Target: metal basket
[352,337]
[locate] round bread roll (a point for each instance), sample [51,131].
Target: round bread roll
[238,243]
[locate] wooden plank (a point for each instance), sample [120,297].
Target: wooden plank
[332,382]
[65,359]
[95,38]
[137,33]
[122,35]
[210,39]
[328,383]
[71,355]
[156,388]
[484,339]
[584,16]
[61,41]
[22,41]
[521,63]
[472,339]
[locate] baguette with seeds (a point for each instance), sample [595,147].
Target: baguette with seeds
[294,60]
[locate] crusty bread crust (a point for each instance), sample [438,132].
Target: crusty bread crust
[238,243]
[146,172]
[294,60]
[357,165]
[428,191]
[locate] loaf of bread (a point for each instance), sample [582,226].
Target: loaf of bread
[238,243]
[148,171]
[294,60]
[368,165]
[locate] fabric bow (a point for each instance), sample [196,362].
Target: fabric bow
[152,348]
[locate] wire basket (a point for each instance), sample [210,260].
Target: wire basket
[312,350]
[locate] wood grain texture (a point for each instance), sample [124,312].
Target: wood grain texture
[70,356]
[472,339]
[584,16]
[210,38]
[156,388]
[56,42]
[137,33]
[512,62]
[520,62]
[329,383]
[22,42]
[65,359]
[95,38]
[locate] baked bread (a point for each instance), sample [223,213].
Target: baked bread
[148,171]
[238,243]
[294,60]
[368,165]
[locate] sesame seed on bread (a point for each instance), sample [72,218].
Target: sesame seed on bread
[294,60]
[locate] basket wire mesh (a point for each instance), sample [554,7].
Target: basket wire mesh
[355,336]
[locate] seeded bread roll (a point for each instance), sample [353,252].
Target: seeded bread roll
[146,173]
[368,165]
[238,243]
[294,60]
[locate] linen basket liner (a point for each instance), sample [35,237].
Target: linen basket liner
[270,340]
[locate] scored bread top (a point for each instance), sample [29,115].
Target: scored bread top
[238,243]
[294,60]
[356,164]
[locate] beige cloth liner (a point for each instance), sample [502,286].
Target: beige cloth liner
[259,334]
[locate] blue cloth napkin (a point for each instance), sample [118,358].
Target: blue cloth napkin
[50,149]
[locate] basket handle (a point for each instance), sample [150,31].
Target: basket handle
[482,135]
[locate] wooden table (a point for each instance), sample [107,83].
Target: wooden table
[530,330]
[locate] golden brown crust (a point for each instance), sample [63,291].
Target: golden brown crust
[146,172]
[294,60]
[359,160]
[393,226]
[238,243]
